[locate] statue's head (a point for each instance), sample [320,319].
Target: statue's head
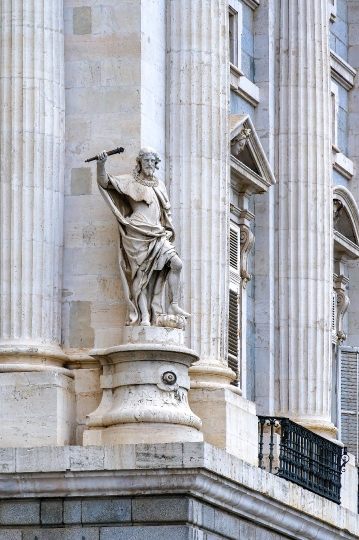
[147,161]
[239,142]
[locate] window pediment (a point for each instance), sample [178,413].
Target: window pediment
[249,164]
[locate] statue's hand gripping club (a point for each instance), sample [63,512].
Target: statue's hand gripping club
[118,150]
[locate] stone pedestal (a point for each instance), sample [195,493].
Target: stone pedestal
[37,408]
[229,421]
[145,390]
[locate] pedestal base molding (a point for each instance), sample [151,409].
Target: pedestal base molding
[141,434]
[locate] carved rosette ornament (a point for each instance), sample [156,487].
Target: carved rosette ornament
[247,242]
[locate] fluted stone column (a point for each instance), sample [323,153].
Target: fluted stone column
[304,271]
[197,173]
[197,149]
[31,218]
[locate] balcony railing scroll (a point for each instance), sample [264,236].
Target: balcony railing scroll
[297,454]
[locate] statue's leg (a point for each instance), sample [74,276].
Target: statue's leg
[144,315]
[157,293]
[173,284]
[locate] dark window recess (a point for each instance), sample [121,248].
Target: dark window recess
[233,249]
[305,458]
[233,325]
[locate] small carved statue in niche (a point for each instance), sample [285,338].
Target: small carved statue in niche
[239,142]
[337,210]
[147,256]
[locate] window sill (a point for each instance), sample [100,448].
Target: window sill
[243,86]
[343,165]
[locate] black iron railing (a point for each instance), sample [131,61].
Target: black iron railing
[304,457]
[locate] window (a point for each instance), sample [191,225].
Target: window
[350,400]
[235,30]
[335,107]
[233,36]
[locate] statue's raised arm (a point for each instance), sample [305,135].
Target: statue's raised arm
[147,256]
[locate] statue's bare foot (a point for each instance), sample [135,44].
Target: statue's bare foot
[174,309]
[145,322]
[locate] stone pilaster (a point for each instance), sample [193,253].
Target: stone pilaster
[304,237]
[31,210]
[197,174]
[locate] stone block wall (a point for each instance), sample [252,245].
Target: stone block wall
[115,96]
[137,518]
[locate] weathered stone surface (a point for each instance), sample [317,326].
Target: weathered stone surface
[163,532]
[11,535]
[81,331]
[106,510]
[72,512]
[51,512]
[19,513]
[82,20]
[153,509]
[81,181]
[73,533]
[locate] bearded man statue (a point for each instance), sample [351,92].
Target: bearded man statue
[147,256]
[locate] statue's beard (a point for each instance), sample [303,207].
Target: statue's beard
[149,171]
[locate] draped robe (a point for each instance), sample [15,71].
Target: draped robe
[145,248]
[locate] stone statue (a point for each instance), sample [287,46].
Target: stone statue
[147,256]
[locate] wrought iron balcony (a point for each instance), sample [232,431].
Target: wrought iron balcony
[303,457]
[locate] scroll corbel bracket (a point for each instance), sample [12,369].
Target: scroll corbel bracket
[343,302]
[247,242]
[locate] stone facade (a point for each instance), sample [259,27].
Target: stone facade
[252,107]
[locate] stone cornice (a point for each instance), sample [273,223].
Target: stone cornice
[199,483]
[197,469]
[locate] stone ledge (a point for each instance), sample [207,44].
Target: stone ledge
[197,469]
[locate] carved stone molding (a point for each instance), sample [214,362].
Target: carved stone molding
[247,242]
[340,285]
[342,307]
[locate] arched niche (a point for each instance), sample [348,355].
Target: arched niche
[346,223]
